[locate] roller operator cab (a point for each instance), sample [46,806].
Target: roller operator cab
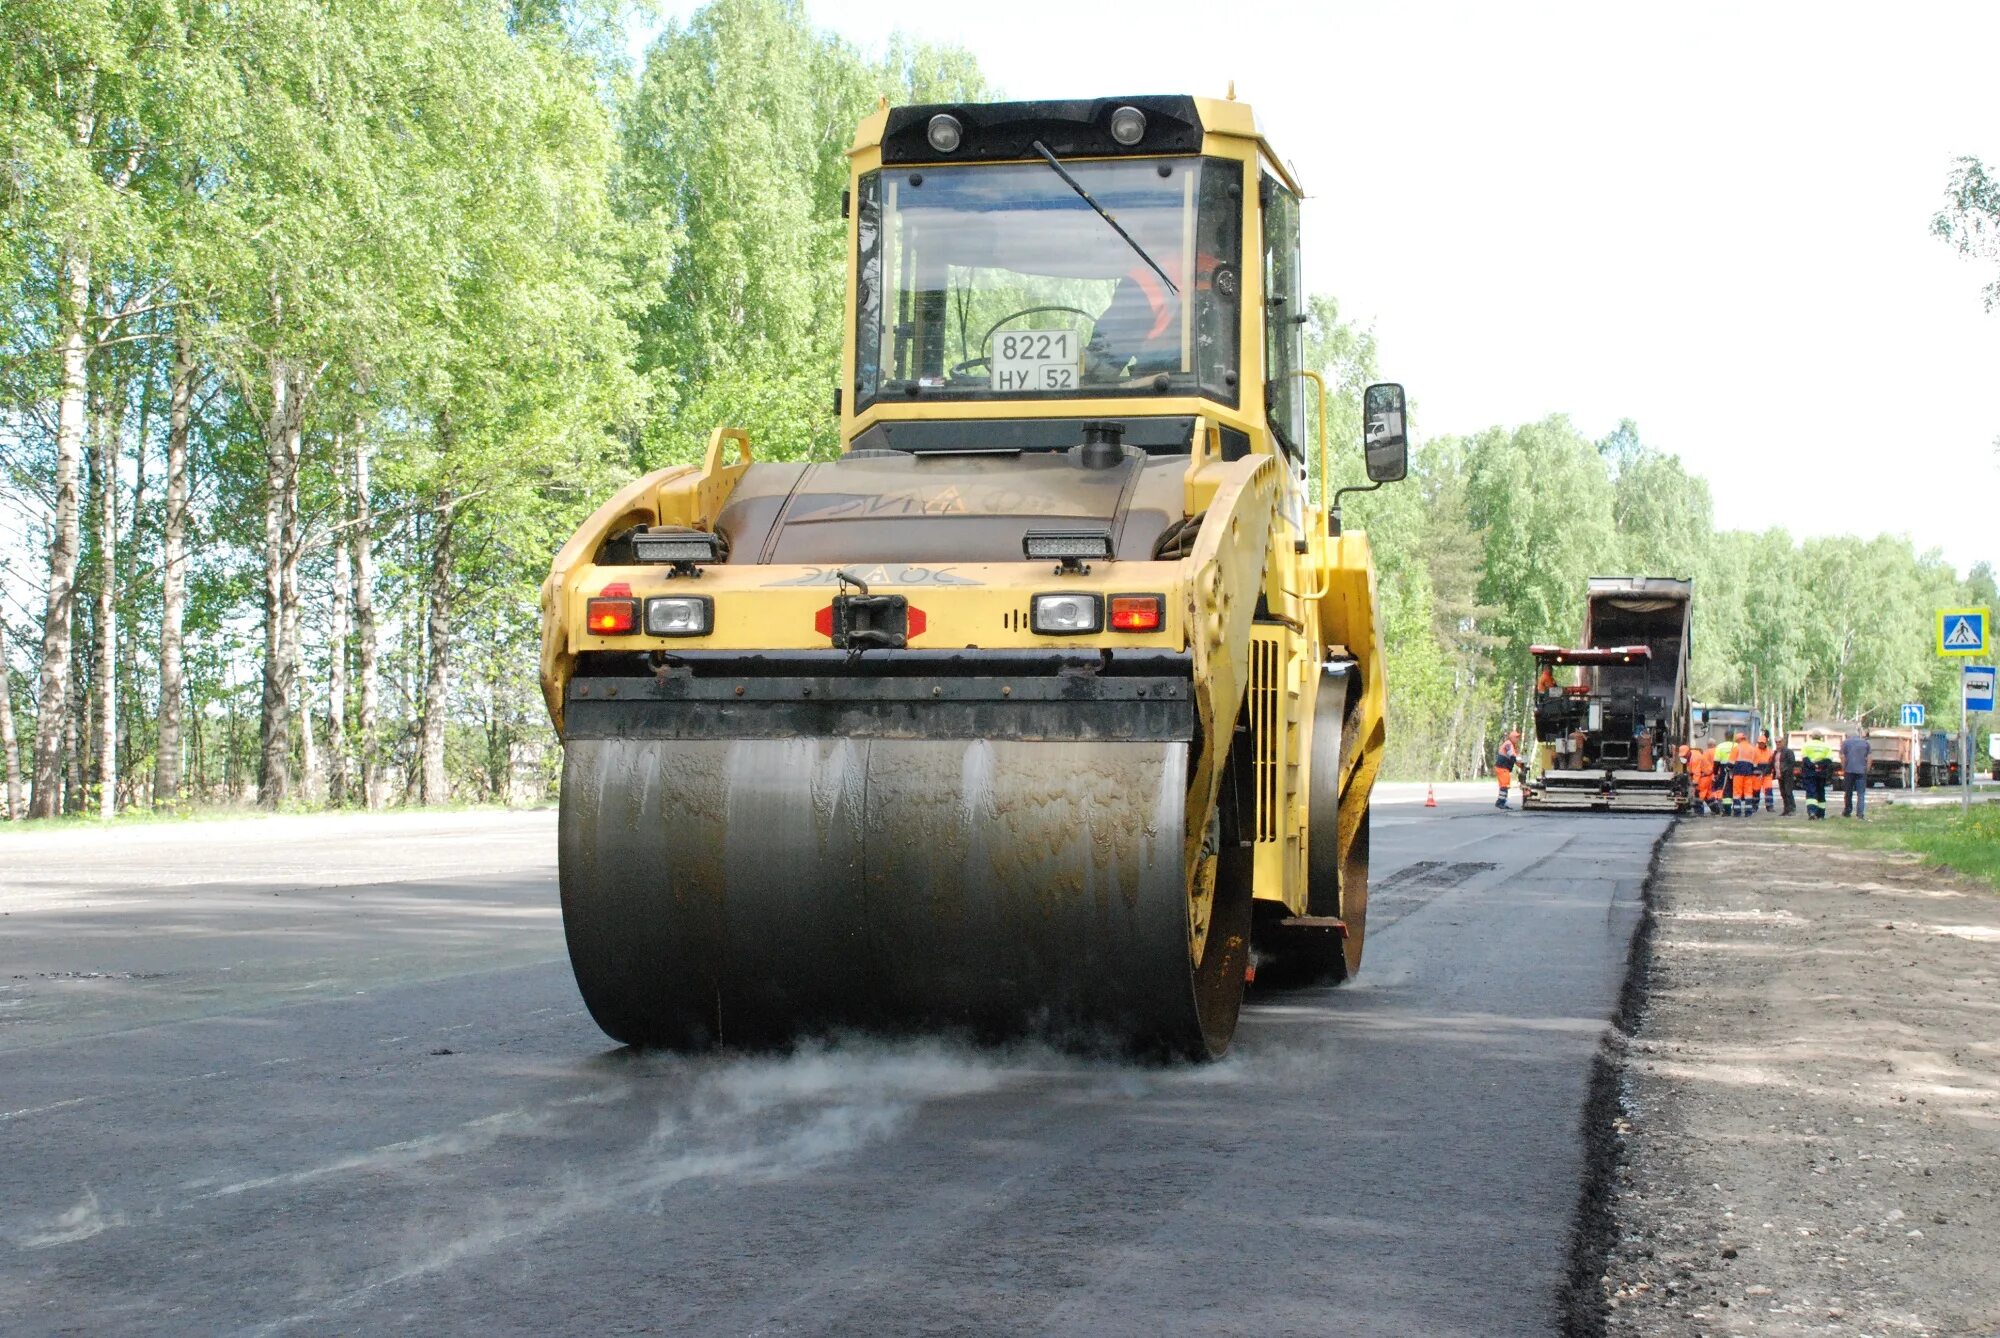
[1054,702]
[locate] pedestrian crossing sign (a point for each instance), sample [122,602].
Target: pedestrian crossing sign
[1962,632]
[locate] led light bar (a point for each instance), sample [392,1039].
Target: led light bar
[1069,547]
[676,546]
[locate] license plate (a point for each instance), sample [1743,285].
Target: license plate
[1036,360]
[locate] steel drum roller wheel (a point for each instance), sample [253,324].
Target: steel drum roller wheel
[747,892]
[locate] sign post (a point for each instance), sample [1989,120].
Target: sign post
[1913,720]
[1963,635]
[1977,680]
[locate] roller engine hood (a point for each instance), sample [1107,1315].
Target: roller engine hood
[892,506]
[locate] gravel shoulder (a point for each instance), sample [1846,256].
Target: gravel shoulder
[1809,1115]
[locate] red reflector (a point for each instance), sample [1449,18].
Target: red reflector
[823,621]
[611,617]
[917,623]
[1137,613]
[617,588]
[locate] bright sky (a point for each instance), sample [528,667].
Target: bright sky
[1710,218]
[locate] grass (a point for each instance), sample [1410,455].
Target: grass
[1966,842]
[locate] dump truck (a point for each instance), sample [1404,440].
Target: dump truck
[1712,722]
[1609,739]
[1937,758]
[1053,703]
[1896,757]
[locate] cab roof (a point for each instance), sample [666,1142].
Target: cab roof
[1070,128]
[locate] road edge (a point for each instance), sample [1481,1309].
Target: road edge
[1581,1304]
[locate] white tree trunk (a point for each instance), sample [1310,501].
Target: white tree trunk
[437,675]
[106,673]
[8,743]
[173,575]
[53,722]
[369,693]
[281,651]
[336,651]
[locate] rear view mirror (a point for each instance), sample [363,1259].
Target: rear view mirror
[1385,437]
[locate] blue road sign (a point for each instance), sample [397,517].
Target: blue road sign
[1978,687]
[1913,714]
[1961,632]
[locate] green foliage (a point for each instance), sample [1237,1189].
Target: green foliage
[1970,220]
[735,148]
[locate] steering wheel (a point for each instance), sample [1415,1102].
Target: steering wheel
[985,361]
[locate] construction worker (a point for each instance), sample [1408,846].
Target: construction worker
[1817,763]
[1743,776]
[1788,775]
[1710,770]
[1696,775]
[1503,765]
[1854,775]
[1725,759]
[1767,779]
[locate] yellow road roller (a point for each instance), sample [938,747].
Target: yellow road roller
[1052,704]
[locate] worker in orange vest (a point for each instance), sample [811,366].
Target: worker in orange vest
[1504,763]
[1743,776]
[1767,773]
[1139,332]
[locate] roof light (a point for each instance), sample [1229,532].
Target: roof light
[1065,615]
[945,133]
[1128,126]
[611,617]
[680,615]
[1137,613]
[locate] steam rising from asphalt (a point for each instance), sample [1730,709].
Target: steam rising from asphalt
[741,1119]
[621,1137]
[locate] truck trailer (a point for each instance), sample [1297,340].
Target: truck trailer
[1610,740]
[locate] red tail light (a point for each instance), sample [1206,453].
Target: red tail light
[1138,613]
[611,617]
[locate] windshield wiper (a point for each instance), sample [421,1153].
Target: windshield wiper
[1104,214]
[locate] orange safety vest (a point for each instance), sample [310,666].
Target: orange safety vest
[1157,297]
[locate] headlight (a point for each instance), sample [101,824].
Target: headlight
[946,133]
[679,615]
[1066,615]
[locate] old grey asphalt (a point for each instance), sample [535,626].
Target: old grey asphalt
[327,1076]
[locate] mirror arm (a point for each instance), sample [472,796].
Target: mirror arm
[1333,511]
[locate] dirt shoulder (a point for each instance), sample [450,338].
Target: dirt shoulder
[1810,1108]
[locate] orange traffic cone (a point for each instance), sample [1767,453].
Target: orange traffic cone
[1431,797]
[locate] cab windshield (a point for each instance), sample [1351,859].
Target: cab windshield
[999,281]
